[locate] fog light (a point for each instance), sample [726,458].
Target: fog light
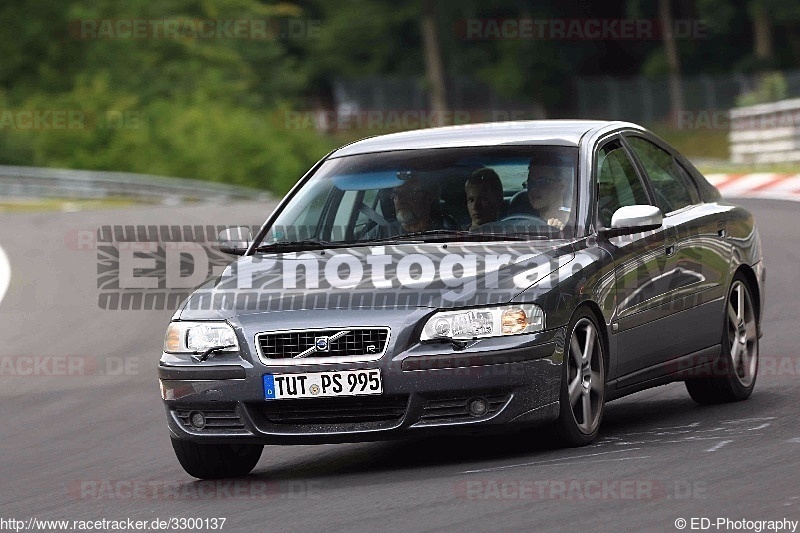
[478,407]
[197,420]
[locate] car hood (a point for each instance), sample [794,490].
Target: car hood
[406,276]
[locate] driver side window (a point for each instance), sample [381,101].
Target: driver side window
[618,185]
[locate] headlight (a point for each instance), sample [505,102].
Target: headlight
[198,337]
[469,324]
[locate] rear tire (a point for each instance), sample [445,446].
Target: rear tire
[582,395]
[734,373]
[216,461]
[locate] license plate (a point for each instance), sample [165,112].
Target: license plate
[322,384]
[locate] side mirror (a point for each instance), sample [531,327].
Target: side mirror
[234,240]
[632,219]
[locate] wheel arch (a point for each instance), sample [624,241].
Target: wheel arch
[594,309]
[749,275]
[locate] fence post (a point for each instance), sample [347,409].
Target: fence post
[613,100]
[711,97]
[647,99]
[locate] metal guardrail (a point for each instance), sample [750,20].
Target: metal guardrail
[766,133]
[35,182]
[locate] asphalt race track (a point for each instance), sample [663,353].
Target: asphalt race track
[83,436]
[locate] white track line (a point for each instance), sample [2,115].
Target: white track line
[545,462]
[5,274]
[719,445]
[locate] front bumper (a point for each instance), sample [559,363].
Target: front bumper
[426,389]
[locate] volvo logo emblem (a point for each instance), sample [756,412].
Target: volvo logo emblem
[322,344]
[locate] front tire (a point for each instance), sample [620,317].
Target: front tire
[582,395]
[216,461]
[736,370]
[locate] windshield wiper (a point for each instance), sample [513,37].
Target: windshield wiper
[415,236]
[432,235]
[513,236]
[440,234]
[299,246]
[437,232]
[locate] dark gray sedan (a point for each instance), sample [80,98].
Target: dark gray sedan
[466,279]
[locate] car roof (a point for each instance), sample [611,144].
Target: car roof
[547,132]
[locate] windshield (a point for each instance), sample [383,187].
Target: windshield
[436,194]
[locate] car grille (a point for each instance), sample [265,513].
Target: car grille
[443,409]
[341,342]
[215,420]
[335,410]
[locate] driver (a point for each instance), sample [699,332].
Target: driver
[415,203]
[547,181]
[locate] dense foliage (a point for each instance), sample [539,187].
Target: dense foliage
[216,108]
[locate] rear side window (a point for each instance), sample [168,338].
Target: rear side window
[618,184]
[670,189]
[691,185]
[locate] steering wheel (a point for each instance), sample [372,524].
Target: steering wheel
[516,222]
[522,217]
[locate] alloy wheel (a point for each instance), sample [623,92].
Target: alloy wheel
[585,375]
[742,333]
